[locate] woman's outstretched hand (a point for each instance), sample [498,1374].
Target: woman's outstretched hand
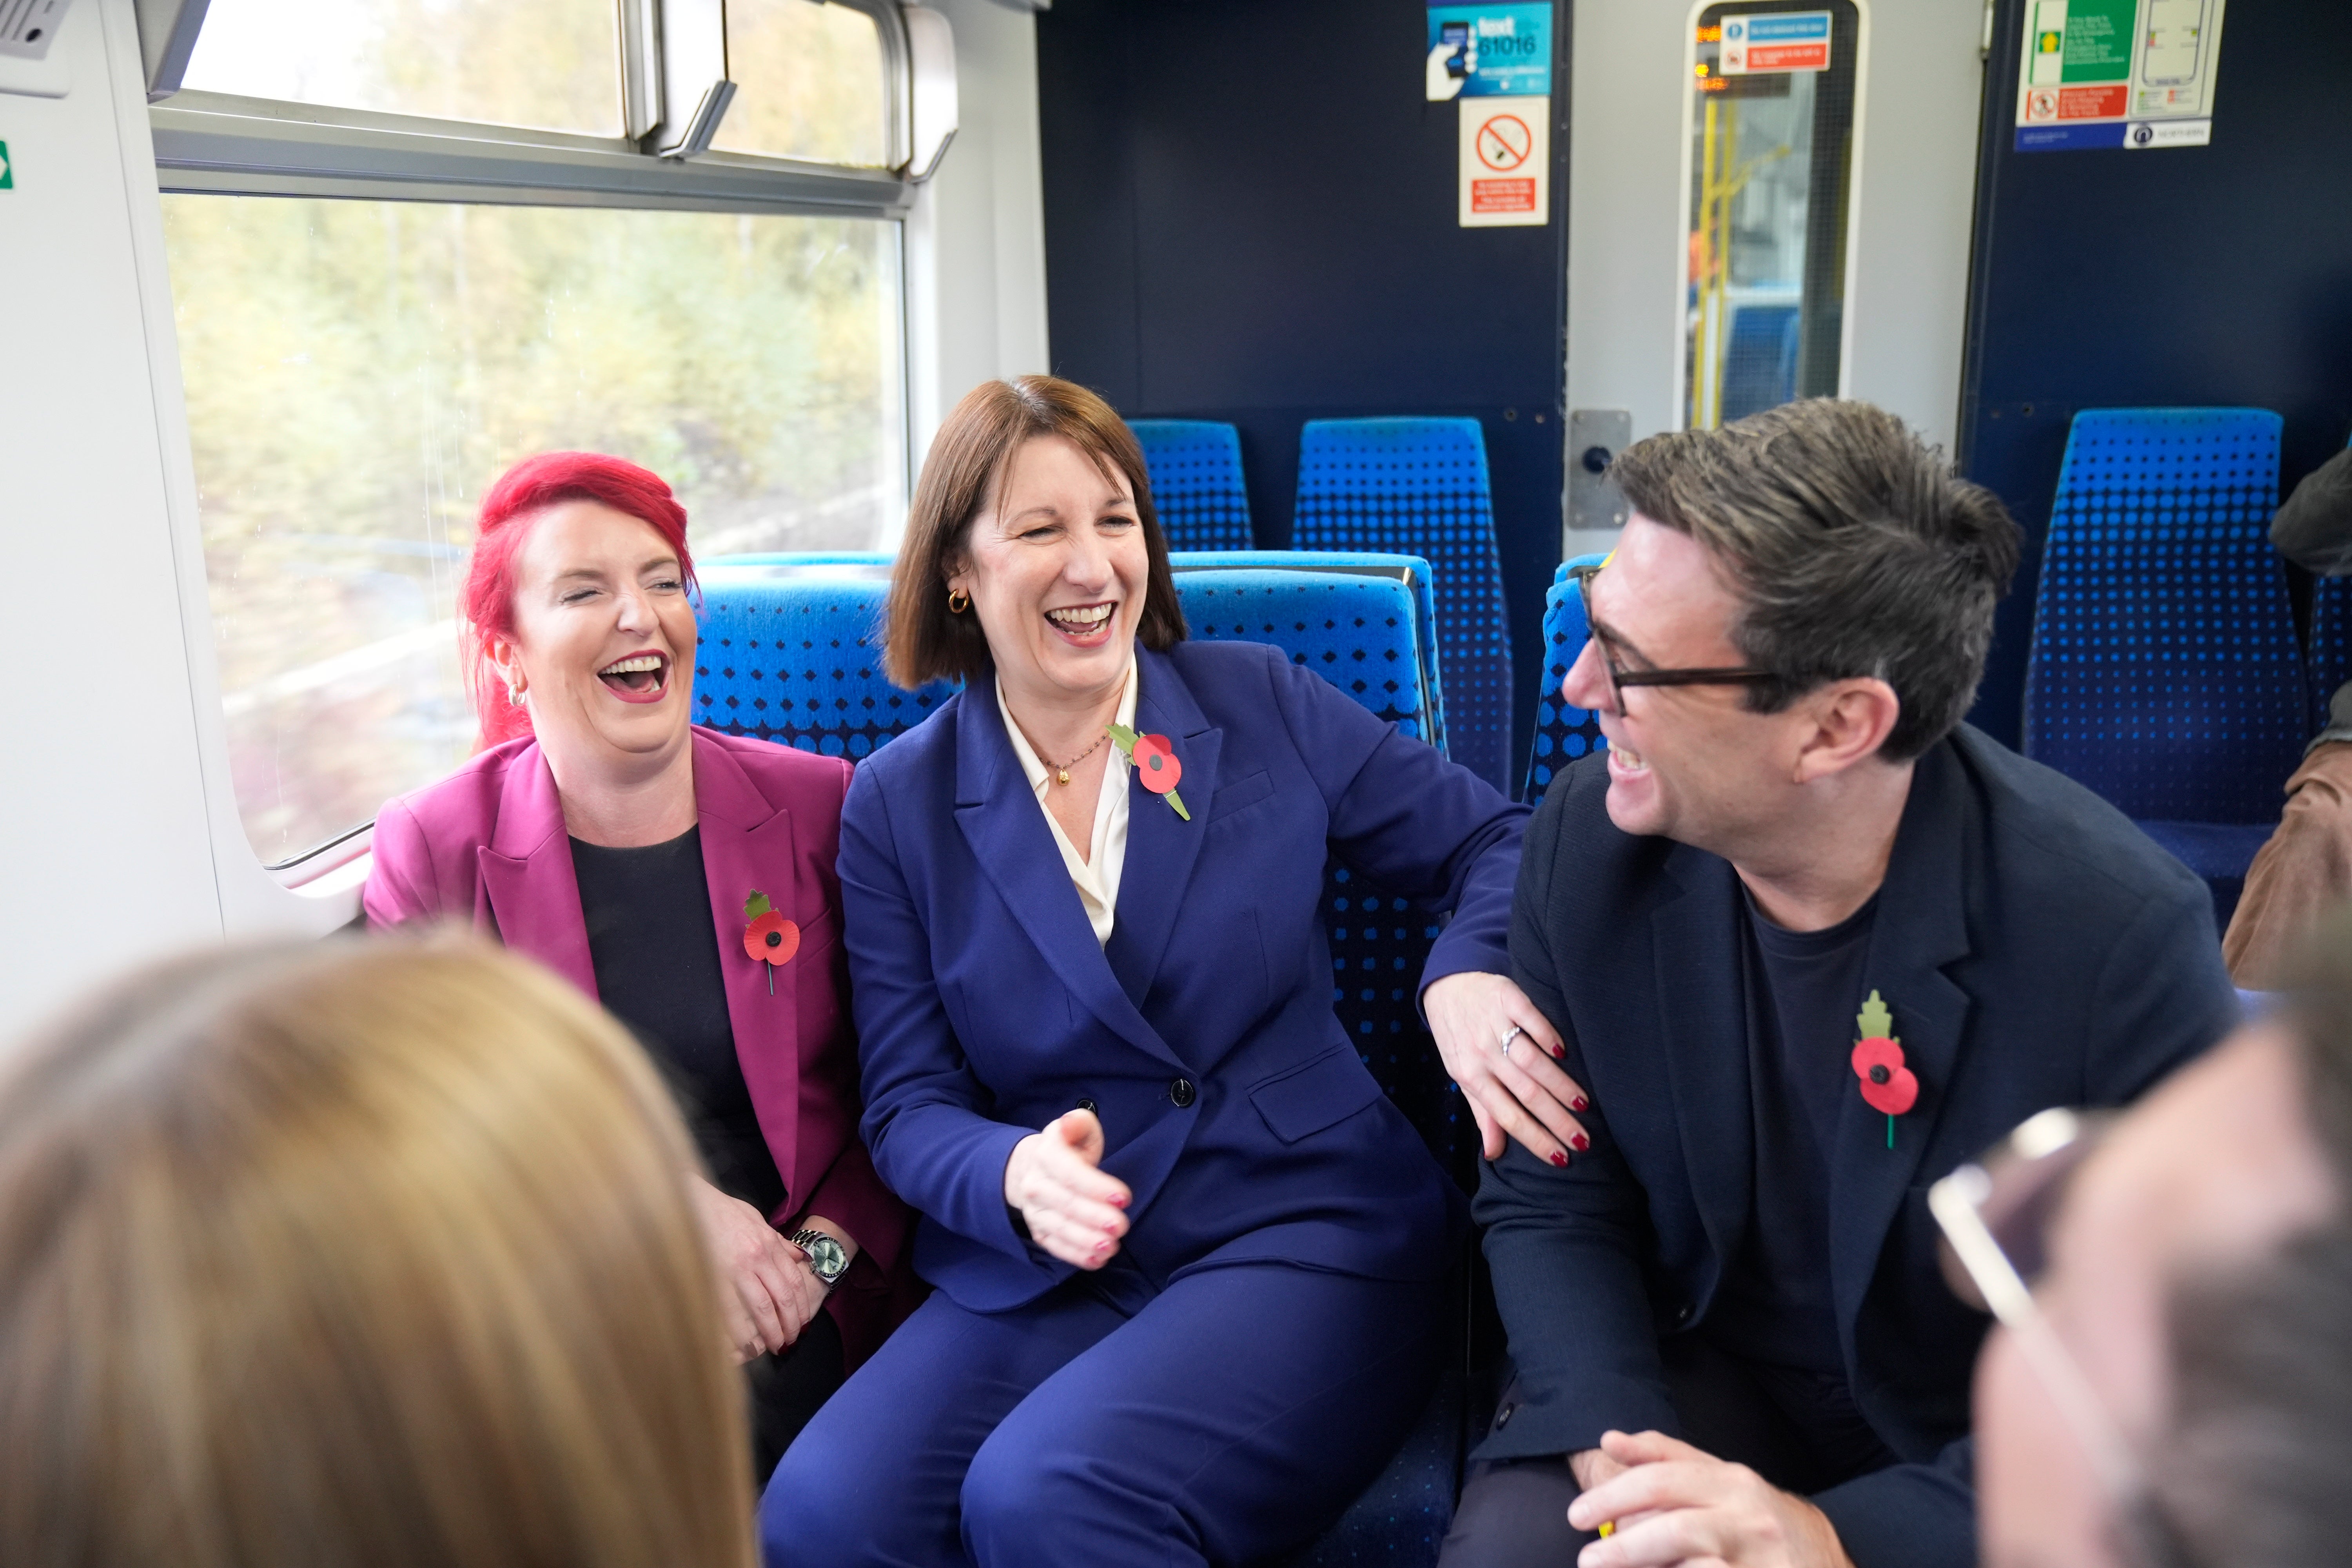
[1521,1091]
[767,1292]
[1073,1209]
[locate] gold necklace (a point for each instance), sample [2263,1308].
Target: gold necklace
[1062,771]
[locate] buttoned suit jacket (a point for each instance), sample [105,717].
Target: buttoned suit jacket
[488,845]
[1233,1103]
[2036,950]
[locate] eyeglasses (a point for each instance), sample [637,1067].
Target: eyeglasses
[1995,1216]
[1621,678]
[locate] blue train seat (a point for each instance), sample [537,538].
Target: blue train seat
[1563,733]
[1411,570]
[792,652]
[1359,629]
[2163,672]
[1760,368]
[1421,485]
[1196,481]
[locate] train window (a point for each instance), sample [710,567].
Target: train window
[357,370]
[1772,86]
[810,83]
[419,56]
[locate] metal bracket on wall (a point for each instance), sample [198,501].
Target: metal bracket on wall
[1595,437]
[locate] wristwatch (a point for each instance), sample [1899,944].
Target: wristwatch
[827,1259]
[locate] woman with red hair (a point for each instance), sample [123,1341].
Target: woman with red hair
[683,877]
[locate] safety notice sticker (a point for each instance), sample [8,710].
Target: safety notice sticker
[2117,73]
[1506,158]
[1781,41]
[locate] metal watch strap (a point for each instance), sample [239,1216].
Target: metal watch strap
[806,1240]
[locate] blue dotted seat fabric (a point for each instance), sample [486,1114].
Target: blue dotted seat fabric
[2164,673]
[792,652]
[1410,569]
[1196,482]
[2331,643]
[1357,631]
[1421,486]
[1563,733]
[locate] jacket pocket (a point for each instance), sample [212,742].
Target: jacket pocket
[1307,1099]
[1240,795]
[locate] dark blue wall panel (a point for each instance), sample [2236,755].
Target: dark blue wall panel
[2182,275]
[1250,216]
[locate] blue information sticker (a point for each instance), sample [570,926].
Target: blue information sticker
[1494,51]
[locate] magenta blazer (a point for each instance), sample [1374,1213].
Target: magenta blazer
[488,844]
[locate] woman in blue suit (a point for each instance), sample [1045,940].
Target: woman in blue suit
[1188,1258]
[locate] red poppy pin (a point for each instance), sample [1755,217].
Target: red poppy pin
[1156,765]
[770,938]
[1886,1084]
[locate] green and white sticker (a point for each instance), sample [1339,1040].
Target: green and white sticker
[7,170]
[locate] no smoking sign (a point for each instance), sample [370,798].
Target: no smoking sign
[1506,163]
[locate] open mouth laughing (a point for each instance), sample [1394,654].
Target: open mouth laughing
[639,677]
[1083,624]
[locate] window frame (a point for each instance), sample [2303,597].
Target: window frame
[225,144]
[212,143]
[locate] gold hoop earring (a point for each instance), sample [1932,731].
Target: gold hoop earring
[957,601]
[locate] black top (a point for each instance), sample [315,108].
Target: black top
[1803,991]
[655,954]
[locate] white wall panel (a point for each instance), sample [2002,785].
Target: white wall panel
[104,850]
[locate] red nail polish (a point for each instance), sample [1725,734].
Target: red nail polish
[1559,1160]
[1579,1142]
[1120,1201]
[1580,1104]
[1557,1052]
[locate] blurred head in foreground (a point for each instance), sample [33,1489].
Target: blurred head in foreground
[354,1254]
[2177,1387]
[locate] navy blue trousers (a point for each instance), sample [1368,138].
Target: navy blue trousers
[1233,1414]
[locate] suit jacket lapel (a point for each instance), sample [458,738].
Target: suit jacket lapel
[1161,847]
[746,847]
[1000,820]
[526,875]
[1921,927]
[1703,1035]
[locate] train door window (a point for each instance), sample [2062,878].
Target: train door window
[413,241]
[439,58]
[810,83]
[1772,90]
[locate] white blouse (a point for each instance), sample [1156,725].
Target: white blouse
[1095,874]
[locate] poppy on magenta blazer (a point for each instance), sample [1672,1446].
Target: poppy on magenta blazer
[488,844]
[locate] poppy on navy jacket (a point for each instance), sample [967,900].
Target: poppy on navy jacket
[488,845]
[2036,949]
[1233,1103]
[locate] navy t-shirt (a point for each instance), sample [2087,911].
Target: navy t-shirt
[1775,1308]
[655,955]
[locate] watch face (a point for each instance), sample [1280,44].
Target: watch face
[826,1257]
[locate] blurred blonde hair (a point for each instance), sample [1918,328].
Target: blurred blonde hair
[356,1254]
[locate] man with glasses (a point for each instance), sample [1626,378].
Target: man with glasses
[2172,1381]
[1808,943]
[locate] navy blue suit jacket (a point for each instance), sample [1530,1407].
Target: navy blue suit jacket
[1233,1103]
[2036,950]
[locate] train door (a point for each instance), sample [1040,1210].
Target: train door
[1766,199]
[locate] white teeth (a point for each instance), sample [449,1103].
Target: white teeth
[644,661]
[1081,620]
[1631,759]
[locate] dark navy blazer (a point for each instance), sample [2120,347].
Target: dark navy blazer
[1233,1103]
[2036,950]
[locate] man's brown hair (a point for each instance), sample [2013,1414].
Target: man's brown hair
[1853,548]
[927,640]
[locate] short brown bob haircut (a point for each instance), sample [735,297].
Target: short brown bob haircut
[928,641]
